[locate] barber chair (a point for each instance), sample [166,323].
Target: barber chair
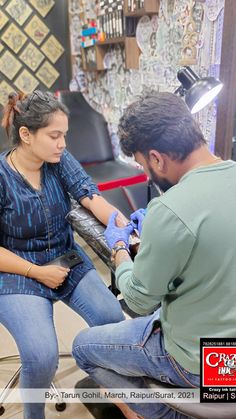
[60,405]
[129,198]
[91,230]
[196,410]
[89,141]
[4,142]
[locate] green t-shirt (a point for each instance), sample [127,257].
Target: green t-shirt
[188,233]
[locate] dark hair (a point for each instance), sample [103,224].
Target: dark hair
[33,111]
[159,121]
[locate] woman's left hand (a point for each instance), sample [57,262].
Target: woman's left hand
[51,275]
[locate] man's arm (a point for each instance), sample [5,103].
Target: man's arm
[166,245]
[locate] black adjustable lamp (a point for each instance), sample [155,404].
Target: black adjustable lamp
[198,92]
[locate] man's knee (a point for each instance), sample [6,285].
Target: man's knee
[80,348]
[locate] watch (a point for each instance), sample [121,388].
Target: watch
[116,249]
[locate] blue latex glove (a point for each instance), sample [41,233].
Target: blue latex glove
[114,234]
[137,218]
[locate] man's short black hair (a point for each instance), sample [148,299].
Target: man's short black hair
[162,122]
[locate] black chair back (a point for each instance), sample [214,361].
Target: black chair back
[4,142]
[88,137]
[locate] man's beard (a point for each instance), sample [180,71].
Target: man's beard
[162,183]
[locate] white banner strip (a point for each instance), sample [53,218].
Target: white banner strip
[91,395]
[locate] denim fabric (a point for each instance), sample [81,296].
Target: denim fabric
[29,217]
[122,355]
[29,319]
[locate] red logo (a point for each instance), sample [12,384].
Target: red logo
[219,366]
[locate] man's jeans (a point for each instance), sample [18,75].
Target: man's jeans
[121,356]
[29,319]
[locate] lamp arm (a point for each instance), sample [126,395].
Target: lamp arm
[180,91]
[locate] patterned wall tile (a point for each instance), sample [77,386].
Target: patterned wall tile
[3,19]
[26,82]
[47,74]
[19,10]
[52,49]
[22,32]
[43,7]
[9,65]
[37,30]
[32,57]
[5,90]
[14,38]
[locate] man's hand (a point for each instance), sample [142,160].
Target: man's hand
[114,234]
[137,218]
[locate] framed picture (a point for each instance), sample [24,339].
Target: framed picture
[26,82]
[32,57]
[9,65]
[42,6]
[52,49]
[14,38]
[19,10]
[47,74]
[36,29]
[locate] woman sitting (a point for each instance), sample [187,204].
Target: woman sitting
[37,178]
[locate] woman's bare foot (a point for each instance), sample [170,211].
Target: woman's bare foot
[127,412]
[124,408]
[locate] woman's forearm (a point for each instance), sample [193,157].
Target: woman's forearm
[52,275]
[102,210]
[12,263]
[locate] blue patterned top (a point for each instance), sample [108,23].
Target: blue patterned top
[27,215]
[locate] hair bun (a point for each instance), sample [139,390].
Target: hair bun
[13,97]
[10,108]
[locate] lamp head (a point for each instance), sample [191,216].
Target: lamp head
[198,92]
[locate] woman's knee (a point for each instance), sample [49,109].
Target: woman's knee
[98,307]
[110,315]
[40,360]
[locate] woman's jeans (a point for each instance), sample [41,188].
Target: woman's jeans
[122,355]
[29,319]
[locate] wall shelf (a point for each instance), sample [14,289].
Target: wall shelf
[89,58]
[132,52]
[131,49]
[150,7]
[110,41]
